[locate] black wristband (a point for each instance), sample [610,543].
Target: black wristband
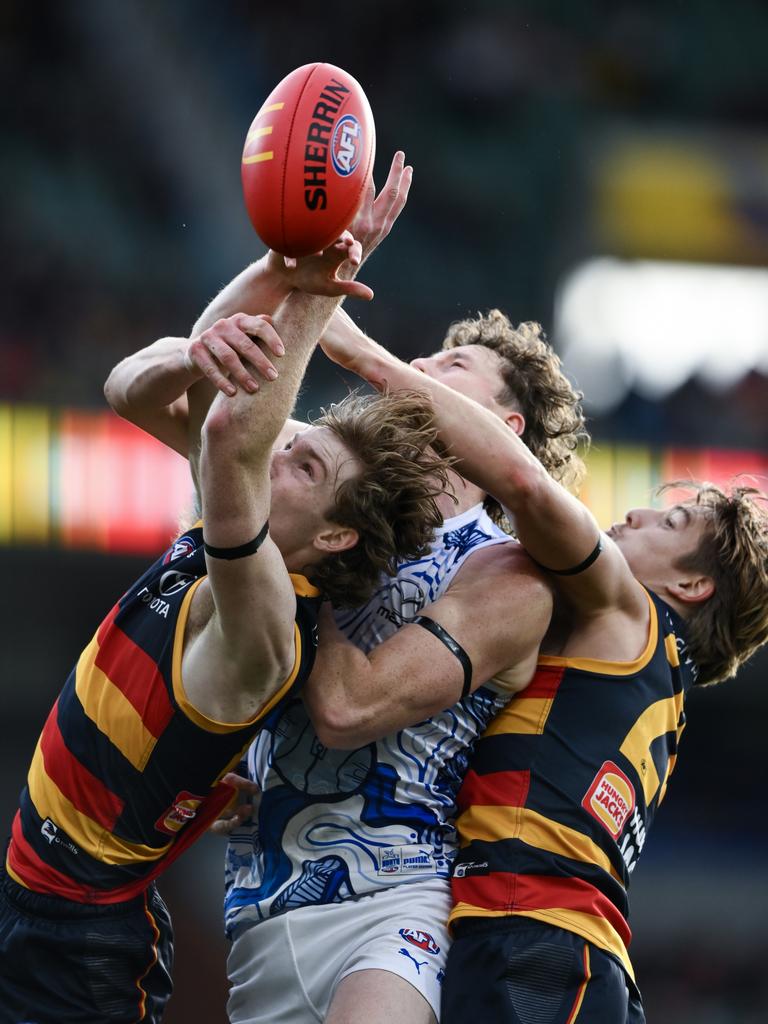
[242,550]
[455,648]
[591,557]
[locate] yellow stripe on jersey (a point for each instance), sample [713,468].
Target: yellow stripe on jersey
[657,720]
[302,587]
[88,835]
[489,824]
[525,715]
[192,713]
[670,646]
[111,712]
[591,927]
[612,668]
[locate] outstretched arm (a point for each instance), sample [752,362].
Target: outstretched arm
[497,610]
[244,649]
[557,530]
[167,388]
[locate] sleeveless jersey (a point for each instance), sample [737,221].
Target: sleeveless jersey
[126,772]
[564,785]
[331,824]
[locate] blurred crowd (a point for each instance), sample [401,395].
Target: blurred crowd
[120,165]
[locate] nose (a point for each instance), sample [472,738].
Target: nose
[638,516]
[424,364]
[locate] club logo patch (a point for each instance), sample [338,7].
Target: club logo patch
[423,940]
[182,547]
[183,809]
[611,798]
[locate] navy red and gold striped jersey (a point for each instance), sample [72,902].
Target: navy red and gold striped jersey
[126,773]
[564,784]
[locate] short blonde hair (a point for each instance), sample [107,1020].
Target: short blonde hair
[535,385]
[723,631]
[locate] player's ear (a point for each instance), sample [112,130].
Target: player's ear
[335,539]
[516,422]
[692,589]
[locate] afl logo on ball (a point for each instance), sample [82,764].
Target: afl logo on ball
[346,145]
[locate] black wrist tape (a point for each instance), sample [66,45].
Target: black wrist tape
[242,550]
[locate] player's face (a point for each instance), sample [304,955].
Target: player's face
[472,370]
[654,541]
[304,476]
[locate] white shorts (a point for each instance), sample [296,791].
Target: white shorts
[285,970]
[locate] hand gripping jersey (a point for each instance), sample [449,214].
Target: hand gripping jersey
[331,824]
[564,785]
[126,772]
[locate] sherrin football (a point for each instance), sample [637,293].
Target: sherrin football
[308,158]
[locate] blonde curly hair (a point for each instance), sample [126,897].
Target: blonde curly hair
[535,385]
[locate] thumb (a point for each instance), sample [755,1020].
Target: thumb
[356,290]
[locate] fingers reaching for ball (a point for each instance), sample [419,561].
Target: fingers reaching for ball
[378,213]
[326,273]
[231,353]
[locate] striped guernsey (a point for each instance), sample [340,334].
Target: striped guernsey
[126,773]
[564,785]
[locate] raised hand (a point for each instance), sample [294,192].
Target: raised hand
[227,352]
[319,274]
[378,213]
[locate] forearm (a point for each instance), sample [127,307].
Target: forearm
[150,379]
[256,420]
[548,520]
[342,696]
[260,288]
[149,388]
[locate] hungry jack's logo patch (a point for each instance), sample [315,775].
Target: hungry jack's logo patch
[611,798]
[183,809]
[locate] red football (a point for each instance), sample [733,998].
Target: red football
[307,159]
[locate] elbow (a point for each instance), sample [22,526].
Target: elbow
[522,484]
[113,393]
[222,429]
[337,726]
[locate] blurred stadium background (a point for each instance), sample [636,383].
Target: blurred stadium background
[600,167]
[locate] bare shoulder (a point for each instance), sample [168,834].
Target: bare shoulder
[501,564]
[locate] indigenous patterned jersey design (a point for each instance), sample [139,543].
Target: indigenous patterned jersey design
[334,823]
[126,772]
[565,783]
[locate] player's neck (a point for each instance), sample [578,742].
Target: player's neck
[466,495]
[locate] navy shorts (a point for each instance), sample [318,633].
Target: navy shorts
[62,961]
[514,970]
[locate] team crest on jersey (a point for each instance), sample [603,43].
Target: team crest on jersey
[183,546]
[423,940]
[611,798]
[400,860]
[183,809]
